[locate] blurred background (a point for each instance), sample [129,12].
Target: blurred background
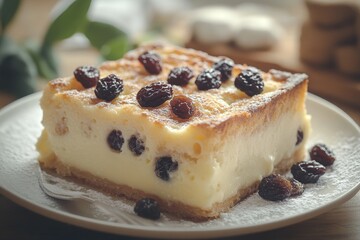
[44,39]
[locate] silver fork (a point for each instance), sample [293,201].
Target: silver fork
[49,187]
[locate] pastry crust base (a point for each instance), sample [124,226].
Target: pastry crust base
[175,208]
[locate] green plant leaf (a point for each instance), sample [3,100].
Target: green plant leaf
[100,33]
[42,66]
[115,48]
[7,12]
[17,70]
[70,21]
[47,55]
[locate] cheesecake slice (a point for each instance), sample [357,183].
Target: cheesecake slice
[198,147]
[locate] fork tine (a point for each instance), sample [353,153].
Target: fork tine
[45,183]
[48,188]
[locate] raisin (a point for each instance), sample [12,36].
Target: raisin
[250,82]
[208,79]
[322,154]
[151,62]
[147,208]
[297,188]
[275,188]
[308,171]
[182,106]
[154,94]
[225,67]
[136,145]
[164,166]
[180,76]
[299,137]
[115,140]
[109,88]
[88,76]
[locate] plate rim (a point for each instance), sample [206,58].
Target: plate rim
[152,231]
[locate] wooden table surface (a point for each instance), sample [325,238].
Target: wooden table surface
[16,222]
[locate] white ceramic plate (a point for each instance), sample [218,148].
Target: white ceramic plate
[20,126]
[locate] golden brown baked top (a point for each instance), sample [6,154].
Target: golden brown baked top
[213,106]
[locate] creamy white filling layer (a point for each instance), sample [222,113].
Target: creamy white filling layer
[210,170]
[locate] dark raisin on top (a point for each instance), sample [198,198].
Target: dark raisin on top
[115,140]
[308,171]
[88,76]
[180,76]
[322,154]
[299,136]
[208,79]
[108,88]
[164,166]
[275,188]
[147,208]
[182,106]
[225,67]
[154,95]
[136,145]
[151,62]
[250,82]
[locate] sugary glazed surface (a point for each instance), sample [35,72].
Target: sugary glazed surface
[213,106]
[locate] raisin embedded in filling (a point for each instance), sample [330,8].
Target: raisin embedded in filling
[115,140]
[136,145]
[164,166]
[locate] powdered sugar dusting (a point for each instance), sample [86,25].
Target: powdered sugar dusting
[344,174]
